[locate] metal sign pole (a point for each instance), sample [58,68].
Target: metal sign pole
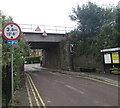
[11,32]
[12,78]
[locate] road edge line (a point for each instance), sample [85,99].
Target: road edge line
[29,96]
[37,102]
[43,104]
[105,82]
[90,78]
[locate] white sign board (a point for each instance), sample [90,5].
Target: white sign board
[107,58]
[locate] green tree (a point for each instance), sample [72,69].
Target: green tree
[20,52]
[117,38]
[97,29]
[91,17]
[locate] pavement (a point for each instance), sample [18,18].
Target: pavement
[108,77]
[22,93]
[21,96]
[100,76]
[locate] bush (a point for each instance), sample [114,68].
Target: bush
[30,60]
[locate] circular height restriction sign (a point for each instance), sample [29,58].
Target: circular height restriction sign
[11,31]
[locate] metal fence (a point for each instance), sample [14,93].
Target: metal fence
[6,85]
[46,28]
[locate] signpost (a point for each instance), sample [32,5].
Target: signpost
[12,42]
[11,32]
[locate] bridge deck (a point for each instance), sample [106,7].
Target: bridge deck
[37,41]
[47,28]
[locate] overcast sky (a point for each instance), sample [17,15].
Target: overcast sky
[44,12]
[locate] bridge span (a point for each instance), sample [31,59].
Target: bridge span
[44,36]
[38,41]
[47,28]
[54,54]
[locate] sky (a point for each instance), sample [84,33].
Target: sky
[45,12]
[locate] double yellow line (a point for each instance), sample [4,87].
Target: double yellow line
[105,82]
[97,80]
[35,91]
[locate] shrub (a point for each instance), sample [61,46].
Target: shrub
[30,60]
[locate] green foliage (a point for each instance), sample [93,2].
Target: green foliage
[32,59]
[97,29]
[117,36]
[83,16]
[115,69]
[20,52]
[91,17]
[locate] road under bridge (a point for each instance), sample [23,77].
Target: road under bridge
[54,55]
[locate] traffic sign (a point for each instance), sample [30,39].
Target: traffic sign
[15,42]
[11,31]
[38,29]
[44,34]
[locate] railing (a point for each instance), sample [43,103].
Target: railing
[46,28]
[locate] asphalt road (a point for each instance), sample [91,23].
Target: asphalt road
[58,89]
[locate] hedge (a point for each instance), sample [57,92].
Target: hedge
[32,59]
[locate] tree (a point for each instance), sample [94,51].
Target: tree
[118,25]
[20,51]
[97,29]
[91,17]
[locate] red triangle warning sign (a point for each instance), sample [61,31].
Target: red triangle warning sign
[38,29]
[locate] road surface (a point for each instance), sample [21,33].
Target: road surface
[48,88]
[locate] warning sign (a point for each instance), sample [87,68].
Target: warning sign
[38,29]
[44,34]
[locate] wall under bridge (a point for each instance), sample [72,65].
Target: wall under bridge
[60,58]
[57,57]
[55,54]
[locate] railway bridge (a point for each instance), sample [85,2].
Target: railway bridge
[48,38]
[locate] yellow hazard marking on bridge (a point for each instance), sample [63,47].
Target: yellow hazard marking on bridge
[38,94]
[33,91]
[105,82]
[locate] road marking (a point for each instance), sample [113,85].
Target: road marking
[37,102]
[72,88]
[60,82]
[41,100]
[100,81]
[29,97]
[108,83]
[48,101]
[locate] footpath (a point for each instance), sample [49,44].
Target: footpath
[107,77]
[21,96]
